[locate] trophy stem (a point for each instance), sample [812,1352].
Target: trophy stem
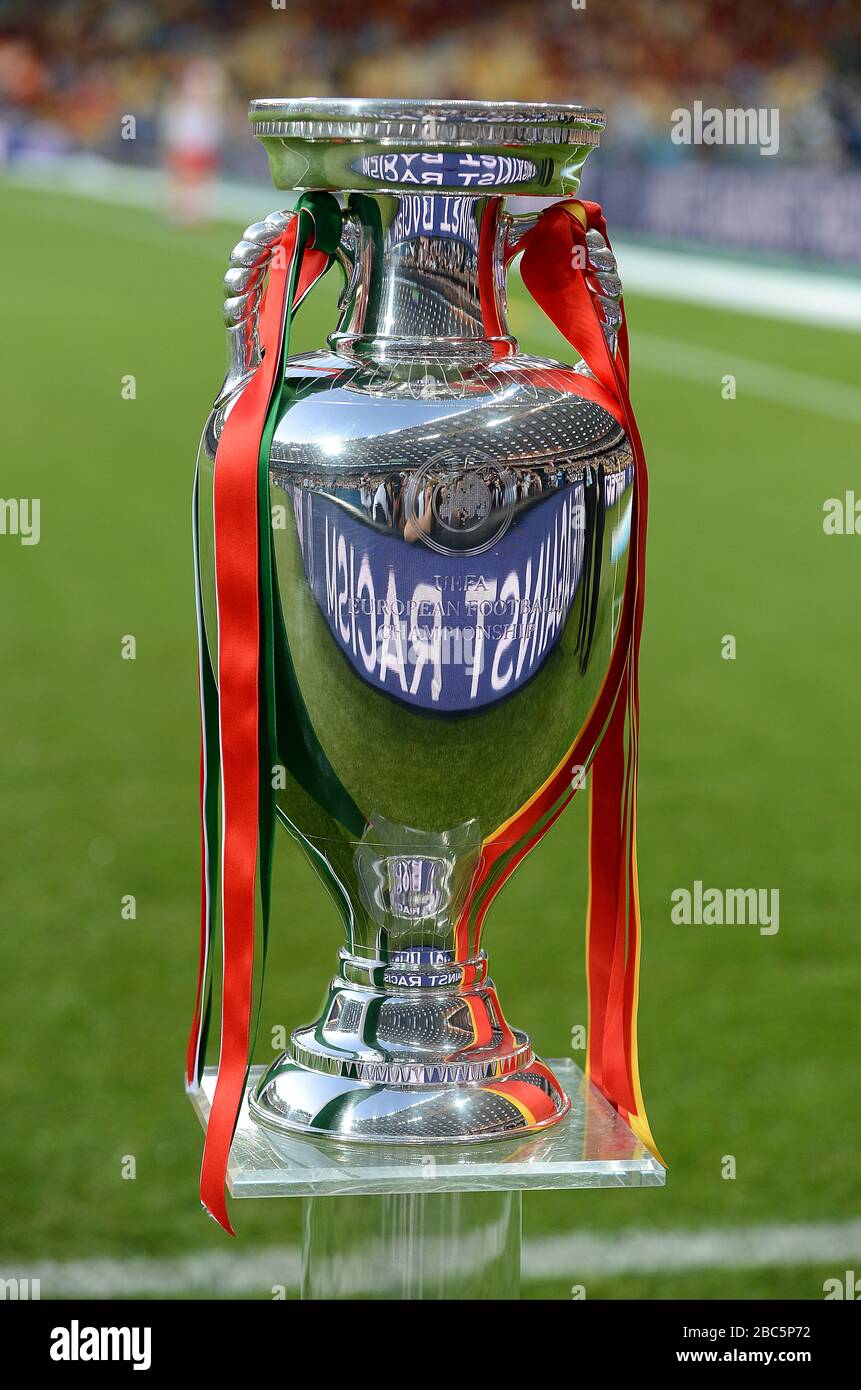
[413,1245]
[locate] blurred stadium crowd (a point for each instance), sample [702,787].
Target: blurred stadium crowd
[70,70]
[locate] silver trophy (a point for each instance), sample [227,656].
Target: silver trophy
[449,525]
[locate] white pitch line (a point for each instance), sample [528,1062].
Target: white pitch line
[664,356]
[667,1252]
[747,286]
[784,385]
[222,1272]
[708,366]
[208,1273]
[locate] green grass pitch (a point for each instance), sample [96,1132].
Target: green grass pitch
[749,775]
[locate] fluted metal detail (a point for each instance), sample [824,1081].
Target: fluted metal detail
[431,123]
[387,1072]
[604,285]
[602,271]
[243,287]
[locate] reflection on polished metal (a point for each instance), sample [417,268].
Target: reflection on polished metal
[444,146]
[450,522]
[591,1146]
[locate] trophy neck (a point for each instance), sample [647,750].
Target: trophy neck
[414,967]
[425,276]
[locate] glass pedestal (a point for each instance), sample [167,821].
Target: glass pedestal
[432,1221]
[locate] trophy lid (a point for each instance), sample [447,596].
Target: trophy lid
[395,146]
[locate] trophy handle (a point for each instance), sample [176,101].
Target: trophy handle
[603,283]
[601,270]
[243,285]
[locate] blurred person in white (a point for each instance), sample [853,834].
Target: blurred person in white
[192,132]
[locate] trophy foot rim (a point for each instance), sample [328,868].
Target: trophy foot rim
[341,1097]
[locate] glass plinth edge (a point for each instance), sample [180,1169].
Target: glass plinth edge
[591,1147]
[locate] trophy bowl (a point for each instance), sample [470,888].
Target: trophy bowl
[450,531]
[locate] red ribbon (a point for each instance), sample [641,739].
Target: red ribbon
[237,576]
[614,915]
[554,270]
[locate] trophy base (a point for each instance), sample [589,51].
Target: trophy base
[591,1146]
[418,1056]
[298,1099]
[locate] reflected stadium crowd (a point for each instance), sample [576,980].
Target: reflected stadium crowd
[70,72]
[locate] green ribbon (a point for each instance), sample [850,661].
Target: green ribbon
[284,723]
